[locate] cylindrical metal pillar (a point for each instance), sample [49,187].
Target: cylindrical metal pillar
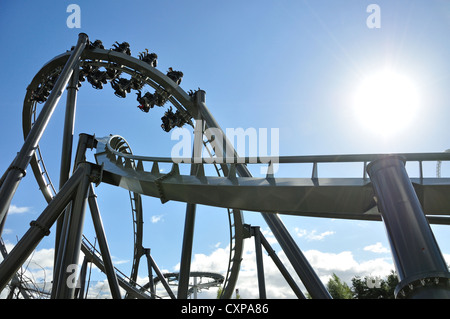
[103,244]
[79,290]
[85,141]
[282,268]
[420,266]
[69,124]
[188,237]
[39,229]
[159,274]
[186,251]
[151,283]
[66,153]
[259,262]
[17,169]
[72,245]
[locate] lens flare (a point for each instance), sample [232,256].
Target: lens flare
[386,102]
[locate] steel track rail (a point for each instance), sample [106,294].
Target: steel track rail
[136,68]
[348,198]
[183,102]
[122,146]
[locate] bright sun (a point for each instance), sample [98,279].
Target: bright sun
[386,102]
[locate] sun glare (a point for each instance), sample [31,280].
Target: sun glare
[386,102]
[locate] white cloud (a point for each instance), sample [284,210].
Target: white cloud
[344,264]
[217,261]
[119,261]
[312,235]
[156,218]
[324,264]
[377,248]
[42,258]
[37,269]
[447,258]
[269,236]
[13,209]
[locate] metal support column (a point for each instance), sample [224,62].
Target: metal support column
[69,124]
[16,171]
[79,290]
[103,244]
[421,268]
[151,282]
[281,267]
[298,260]
[39,229]
[66,152]
[188,235]
[186,251]
[85,141]
[59,249]
[159,273]
[259,262]
[301,265]
[15,278]
[72,244]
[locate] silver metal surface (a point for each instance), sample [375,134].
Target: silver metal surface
[414,249]
[17,169]
[234,189]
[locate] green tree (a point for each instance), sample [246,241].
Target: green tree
[380,289]
[219,293]
[391,283]
[338,289]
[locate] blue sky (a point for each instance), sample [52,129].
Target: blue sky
[290,65]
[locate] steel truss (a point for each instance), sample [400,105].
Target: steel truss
[421,268]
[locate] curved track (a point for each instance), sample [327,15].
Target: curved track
[320,197]
[206,280]
[235,190]
[148,75]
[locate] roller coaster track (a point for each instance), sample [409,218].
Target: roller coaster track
[121,146]
[136,68]
[131,287]
[234,188]
[235,221]
[349,198]
[212,280]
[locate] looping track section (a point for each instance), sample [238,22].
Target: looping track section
[234,189]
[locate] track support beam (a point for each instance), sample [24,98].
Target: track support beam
[159,273]
[261,240]
[66,152]
[188,237]
[72,244]
[301,265]
[103,244]
[256,233]
[39,228]
[17,169]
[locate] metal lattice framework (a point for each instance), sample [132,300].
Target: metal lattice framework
[406,205]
